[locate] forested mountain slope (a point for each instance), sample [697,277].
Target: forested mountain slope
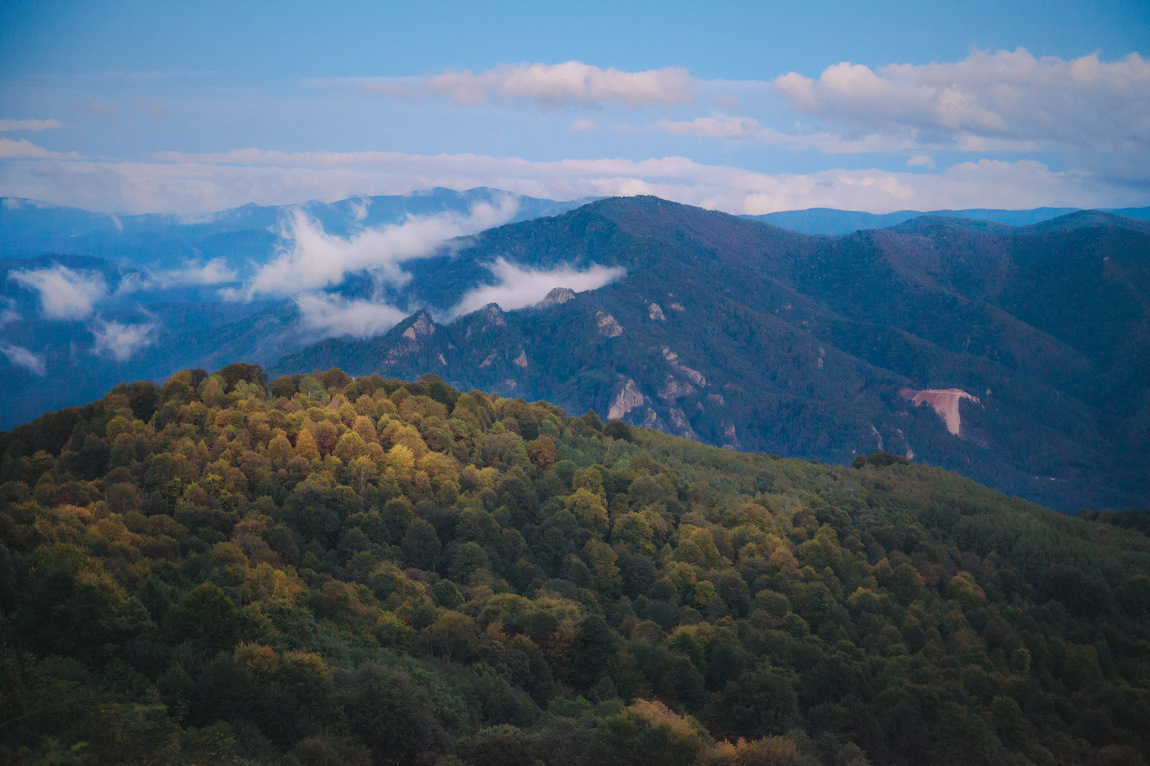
[334,570]
[741,334]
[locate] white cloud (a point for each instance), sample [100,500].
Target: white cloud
[582,125]
[359,208]
[23,149]
[22,357]
[64,293]
[1004,96]
[121,341]
[9,314]
[333,316]
[920,161]
[31,125]
[214,272]
[517,287]
[571,82]
[310,258]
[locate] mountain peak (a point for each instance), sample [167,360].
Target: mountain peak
[557,296]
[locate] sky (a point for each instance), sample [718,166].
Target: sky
[746,107]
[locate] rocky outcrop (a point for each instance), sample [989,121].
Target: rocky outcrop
[694,376]
[422,327]
[655,312]
[628,399]
[521,360]
[675,389]
[557,296]
[681,425]
[607,325]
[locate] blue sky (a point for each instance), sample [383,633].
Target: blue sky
[744,107]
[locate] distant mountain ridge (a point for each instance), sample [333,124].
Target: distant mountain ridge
[723,329]
[831,222]
[754,337]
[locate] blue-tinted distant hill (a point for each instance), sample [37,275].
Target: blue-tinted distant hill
[827,221]
[240,236]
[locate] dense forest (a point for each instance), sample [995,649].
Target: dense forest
[319,569]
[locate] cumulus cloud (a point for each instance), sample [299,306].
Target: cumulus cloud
[549,85]
[517,286]
[64,292]
[23,149]
[121,341]
[310,258]
[333,316]
[29,125]
[22,357]
[920,161]
[582,125]
[1007,96]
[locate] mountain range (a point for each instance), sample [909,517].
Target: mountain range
[821,220]
[1016,355]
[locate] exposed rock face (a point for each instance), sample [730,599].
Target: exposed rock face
[681,425]
[439,358]
[490,358]
[628,399]
[656,313]
[494,315]
[521,360]
[675,389]
[944,401]
[731,441]
[607,325]
[878,437]
[677,306]
[716,399]
[422,328]
[694,376]
[557,296]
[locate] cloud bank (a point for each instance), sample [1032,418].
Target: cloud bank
[310,258]
[1004,95]
[212,182]
[121,341]
[23,149]
[64,292]
[22,357]
[333,316]
[517,287]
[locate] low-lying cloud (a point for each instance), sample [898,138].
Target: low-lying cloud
[517,287]
[121,341]
[22,357]
[64,293]
[1006,95]
[310,258]
[333,316]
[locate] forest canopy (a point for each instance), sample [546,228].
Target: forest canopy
[319,569]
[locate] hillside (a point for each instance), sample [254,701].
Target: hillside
[323,569]
[745,335]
